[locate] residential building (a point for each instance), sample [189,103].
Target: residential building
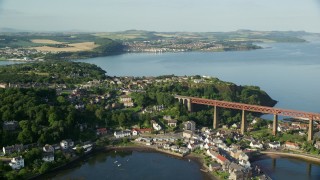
[317,145]
[274,145]
[66,144]
[189,125]
[48,156]
[256,145]
[10,125]
[187,134]
[291,145]
[172,123]
[17,162]
[48,148]
[121,134]
[13,148]
[155,125]
[101,131]
[135,132]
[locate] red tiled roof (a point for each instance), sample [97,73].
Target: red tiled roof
[102,129]
[221,158]
[291,143]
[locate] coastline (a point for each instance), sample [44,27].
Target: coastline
[141,148]
[285,154]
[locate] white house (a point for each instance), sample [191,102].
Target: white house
[66,144]
[245,163]
[48,148]
[274,145]
[244,156]
[193,146]
[156,126]
[135,132]
[256,145]
[48,156]
[121,134]
[17,162]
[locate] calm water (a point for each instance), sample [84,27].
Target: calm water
[134,165]
[289,168]
[289,73]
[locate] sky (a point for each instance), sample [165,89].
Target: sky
[160,15]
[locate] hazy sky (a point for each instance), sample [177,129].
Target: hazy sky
[160,15]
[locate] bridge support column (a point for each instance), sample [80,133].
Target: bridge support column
[189,105]
[215,118]
[243,122]
[275,124]
[310,131]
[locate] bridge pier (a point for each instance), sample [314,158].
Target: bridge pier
[243,122]
[310,130]
[275,124]
[189,105]
[215,118]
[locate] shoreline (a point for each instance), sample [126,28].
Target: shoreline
[285,154]
[207,175]
[141,148]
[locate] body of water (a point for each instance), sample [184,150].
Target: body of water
[131,165]
[288,72]
[289,168]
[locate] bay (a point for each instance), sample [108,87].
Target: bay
[289,168]
[131,165]
[288,72]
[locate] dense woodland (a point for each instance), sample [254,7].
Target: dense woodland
[45,117]
[60,72]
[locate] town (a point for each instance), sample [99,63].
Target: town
[136,111]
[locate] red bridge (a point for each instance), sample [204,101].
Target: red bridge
[188,101]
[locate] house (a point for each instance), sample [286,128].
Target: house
[193,146]
[274,145]
[125,98]
[243,156]
[48,148]
[121,134]
[245,163]
[135,132]
[101,131]
[174,148]
[172,123]
[290,145]
[155,125]
[10,125]
[17,162]
[66,144]
[236,172]
[214,166]
[48,156]
[128,104]
[220,159]
[187,134]
[183,150]
[145,130]
[189,125]
[256,145]
[317,145]
[13,148]
[213,154]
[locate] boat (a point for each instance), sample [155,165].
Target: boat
[115,162]
[119,165]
